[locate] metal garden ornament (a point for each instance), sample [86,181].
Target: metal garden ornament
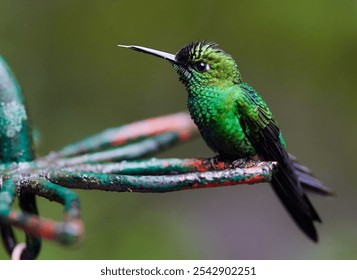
[113,160]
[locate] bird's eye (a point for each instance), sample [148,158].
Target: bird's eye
[201,66]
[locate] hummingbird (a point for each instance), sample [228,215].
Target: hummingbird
[236,123]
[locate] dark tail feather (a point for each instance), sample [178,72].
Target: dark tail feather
[312,185]
[305,217]
[308,181]
[314,213]
[287,186]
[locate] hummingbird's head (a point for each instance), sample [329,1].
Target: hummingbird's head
[200,64]
[204,64]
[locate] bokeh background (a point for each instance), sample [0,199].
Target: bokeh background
[300,55]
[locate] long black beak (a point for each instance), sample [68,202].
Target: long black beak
[168,56]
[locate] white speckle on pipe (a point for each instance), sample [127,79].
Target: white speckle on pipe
[13,116]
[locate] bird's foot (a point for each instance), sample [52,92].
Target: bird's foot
[247,162]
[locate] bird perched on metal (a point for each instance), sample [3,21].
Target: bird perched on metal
[236,123]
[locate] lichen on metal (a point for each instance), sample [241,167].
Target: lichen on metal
[111,160]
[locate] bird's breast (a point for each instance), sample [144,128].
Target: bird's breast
[218,121]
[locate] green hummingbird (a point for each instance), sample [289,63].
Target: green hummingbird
[235,122]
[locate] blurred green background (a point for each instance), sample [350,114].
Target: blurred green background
[300,55]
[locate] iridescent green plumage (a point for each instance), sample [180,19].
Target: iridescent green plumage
[235,122]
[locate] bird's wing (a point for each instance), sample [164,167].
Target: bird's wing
[265,136]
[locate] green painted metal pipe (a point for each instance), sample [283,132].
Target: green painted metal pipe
[16,145]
